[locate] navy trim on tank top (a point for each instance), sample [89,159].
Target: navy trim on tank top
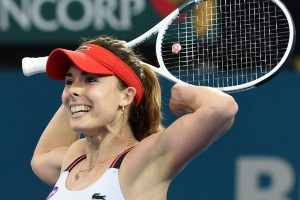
[118,161]
[75,162]
[115,164]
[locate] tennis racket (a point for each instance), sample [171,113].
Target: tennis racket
[231,45]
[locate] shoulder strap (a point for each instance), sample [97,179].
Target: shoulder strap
[75,162]
[118,160]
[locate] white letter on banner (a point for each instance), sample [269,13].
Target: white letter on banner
[130,8]
[251,169]
[37,17]
[70,24]
[10,8]
[104,12]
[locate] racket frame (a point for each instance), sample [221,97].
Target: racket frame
[245,86]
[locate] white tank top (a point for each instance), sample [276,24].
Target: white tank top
[107,187]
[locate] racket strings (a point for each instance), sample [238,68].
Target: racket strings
[226,42]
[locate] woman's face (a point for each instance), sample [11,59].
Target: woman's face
[92,101]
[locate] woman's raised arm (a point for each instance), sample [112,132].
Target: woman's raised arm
[52,146]
[206,114]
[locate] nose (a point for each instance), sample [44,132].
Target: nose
[76,94]
[75,91]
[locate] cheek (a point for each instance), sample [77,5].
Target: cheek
[111,94]
[108,99]
[64,96]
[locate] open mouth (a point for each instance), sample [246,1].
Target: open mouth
[80,109]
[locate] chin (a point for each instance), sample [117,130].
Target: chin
[78,130]
[87,131]
[77,127]
[77,124]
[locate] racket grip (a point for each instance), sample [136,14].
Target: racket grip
[31,66]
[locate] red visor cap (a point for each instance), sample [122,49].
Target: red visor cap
[92,59]
[59,61]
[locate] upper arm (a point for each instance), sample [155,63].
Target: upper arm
[192,133]
[210,113]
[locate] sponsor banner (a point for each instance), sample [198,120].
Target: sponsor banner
[48,21]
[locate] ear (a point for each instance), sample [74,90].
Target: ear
[128,95]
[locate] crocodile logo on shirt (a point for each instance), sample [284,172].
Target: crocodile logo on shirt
[98,196]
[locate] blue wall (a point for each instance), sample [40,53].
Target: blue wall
[257,160]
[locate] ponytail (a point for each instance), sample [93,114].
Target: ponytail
[145,119]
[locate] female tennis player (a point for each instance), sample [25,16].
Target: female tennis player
[116,104]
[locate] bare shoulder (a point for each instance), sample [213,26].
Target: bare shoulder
[147,148]
[138,173]
[143,155]
[74,151]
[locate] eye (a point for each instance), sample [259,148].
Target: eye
[91,79]
[68,81]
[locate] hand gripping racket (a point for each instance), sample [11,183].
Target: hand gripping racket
[231,45]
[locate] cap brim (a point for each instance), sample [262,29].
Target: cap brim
[59,61]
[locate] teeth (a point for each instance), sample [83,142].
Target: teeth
[80,108]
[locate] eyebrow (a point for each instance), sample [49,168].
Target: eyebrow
[82,73]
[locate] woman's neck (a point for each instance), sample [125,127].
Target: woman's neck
[102,147]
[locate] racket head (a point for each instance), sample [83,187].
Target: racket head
[231,45]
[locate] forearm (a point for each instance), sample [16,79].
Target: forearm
[187,98]
[57,134]
[52,146]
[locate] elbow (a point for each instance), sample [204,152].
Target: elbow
[223,111]
[41,170]
[229,107]
[226,112]
[35,164]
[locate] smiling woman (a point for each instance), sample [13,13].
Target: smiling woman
[115,102]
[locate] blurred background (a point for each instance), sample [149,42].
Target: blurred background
[257,160]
